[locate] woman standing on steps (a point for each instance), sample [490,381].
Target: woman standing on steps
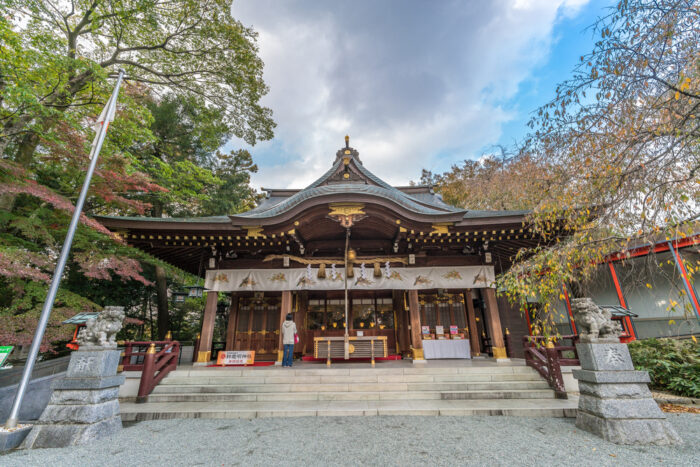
[289,332]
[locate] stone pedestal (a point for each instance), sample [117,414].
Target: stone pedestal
[615,401]
[84,405]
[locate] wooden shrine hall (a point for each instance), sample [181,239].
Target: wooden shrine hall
[419,272]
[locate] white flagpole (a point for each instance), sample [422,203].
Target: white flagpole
[106,116]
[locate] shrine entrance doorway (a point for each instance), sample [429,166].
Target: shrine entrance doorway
[257,327]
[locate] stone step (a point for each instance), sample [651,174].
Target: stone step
[331,379]
[131,412]
[346,396]
[350,387]
[359,370]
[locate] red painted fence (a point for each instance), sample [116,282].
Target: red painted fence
[153,359]
[546,357]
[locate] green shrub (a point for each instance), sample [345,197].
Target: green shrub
[673,365]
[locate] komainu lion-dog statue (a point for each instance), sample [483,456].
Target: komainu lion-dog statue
[101,331]
[593,322]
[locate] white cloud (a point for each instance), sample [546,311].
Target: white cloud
[409,81]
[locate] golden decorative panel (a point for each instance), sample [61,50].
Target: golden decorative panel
[441,228]
[346,209]
[254,231]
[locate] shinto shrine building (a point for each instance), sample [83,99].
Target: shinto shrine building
[417,268]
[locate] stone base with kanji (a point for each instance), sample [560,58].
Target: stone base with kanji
[84,406]
[615,401]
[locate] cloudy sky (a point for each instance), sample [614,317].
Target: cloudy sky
[416,84]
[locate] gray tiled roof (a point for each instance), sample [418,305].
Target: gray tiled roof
[419,203]
[207,219]
[355,188]
[478,214]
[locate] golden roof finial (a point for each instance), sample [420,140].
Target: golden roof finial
[347,141]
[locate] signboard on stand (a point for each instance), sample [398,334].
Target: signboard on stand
[236,357]
[5,351]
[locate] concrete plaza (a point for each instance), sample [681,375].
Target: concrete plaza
[389,440]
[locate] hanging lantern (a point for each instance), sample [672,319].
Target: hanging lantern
[179,297]
[195,291]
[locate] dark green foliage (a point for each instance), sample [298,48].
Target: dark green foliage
[194,81]
[673,365]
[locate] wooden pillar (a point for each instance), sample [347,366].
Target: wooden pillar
[474,340]
[207,334]
[285,307]
[414,319]
[403,338]
[232,322]
[493,321]
[300,319]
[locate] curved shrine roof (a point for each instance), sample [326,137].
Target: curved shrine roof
[358,181]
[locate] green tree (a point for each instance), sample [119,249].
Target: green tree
[186,47]
[55,61]
[234,194]
[185,128]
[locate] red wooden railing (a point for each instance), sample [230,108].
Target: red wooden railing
[153,359]
[546,357]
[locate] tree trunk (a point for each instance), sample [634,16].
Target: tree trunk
[144,314]
[150,321]
[162,299]
[26,149]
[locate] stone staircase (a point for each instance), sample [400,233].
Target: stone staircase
[313,390]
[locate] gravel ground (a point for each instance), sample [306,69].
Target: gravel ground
[364,441]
